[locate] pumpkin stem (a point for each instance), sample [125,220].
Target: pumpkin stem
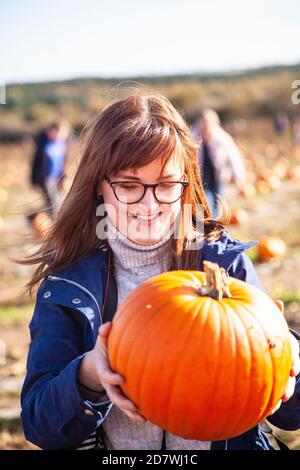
[216,285]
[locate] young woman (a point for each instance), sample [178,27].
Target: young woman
[139,160]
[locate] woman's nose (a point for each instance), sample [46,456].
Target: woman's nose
[149,200]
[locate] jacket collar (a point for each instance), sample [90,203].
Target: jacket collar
[223,251]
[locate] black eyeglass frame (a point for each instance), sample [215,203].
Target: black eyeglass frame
[146,186]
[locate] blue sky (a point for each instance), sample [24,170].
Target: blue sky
[58,39]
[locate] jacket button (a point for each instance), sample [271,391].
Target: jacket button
[89,412]
[47,294]
[76,301]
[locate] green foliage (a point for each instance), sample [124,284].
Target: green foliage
[255,93]
[14,314]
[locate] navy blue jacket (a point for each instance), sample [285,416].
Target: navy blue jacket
[64,327]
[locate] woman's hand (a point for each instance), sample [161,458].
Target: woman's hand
[295,370]
[95,372]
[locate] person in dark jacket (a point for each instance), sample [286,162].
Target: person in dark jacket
[48,163]
[136,208]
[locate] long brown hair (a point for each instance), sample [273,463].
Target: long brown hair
[128,134]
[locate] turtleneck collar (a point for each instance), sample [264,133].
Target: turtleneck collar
[131,254]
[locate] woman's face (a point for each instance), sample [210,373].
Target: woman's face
[146,221]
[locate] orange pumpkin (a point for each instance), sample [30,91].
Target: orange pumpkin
[270,247]
[294,173]
[274,182]
[238,216]
[41,224]
[263,187]
[280,169]
[268,182]
[248,191]
[265,174]
[203,356]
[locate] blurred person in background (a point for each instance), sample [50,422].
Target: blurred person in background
[47,171]
[219,158]
[281,123]
[296,131]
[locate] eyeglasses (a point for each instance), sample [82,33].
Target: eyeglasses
[131,192]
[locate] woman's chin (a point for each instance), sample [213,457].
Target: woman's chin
[146,238]
[145,241]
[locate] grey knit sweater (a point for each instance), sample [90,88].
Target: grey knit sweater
[134,264]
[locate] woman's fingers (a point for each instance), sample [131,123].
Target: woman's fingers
[280,305]
[276,407]
[110,377]
[288,393]
[289,389]
[290,386]
[116,396]
[110,380]
[295,370]
[102,338]
[106,374]
[119,399]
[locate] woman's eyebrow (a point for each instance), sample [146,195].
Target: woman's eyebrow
[128,177]
[168,176]
[131,177]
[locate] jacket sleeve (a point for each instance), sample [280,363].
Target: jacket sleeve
[287,417]
[54,416]
[242,268]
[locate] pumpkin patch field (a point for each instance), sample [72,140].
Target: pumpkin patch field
[267,211]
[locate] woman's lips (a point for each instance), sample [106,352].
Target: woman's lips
[145,219]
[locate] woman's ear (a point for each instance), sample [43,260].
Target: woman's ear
[100,199]
[99,194]
[99,189]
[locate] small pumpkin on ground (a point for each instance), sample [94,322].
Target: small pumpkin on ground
[41,224]
[238,216]
[270,247]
